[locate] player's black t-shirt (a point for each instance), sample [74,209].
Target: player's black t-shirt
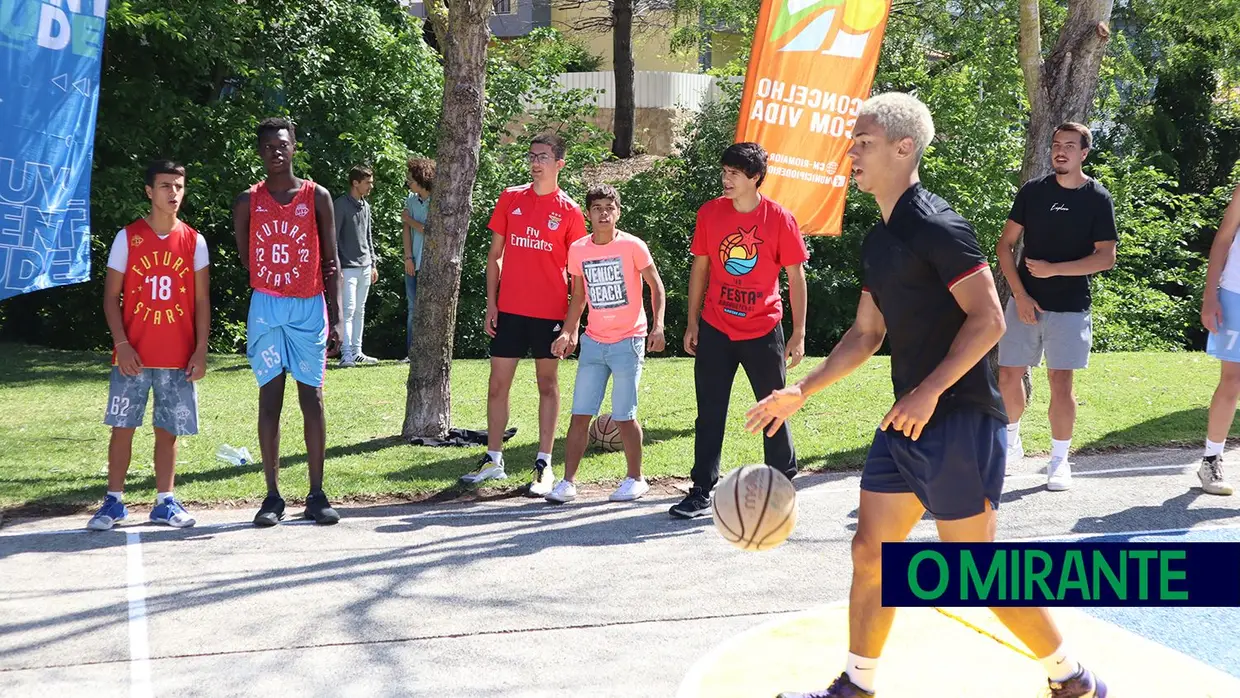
[1062,225]
[910,265]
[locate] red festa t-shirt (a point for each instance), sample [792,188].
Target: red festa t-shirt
[746,251]
[537,231]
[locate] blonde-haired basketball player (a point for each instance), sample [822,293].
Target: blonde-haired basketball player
[942,447]
[608,270]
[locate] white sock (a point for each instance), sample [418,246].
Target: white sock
[1059,449]
[1060,665]
[497,457]
[546,457]
[861,671]
[120,496]
[1214,449]
[1013,430]
[162,497]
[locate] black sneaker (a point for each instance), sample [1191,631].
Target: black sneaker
[842,687]
[320,510]
[272,511]
[694,505]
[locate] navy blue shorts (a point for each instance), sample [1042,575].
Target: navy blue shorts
[954,468]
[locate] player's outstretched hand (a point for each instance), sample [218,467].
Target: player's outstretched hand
[128,361]
[491,322]
[197,365]
[774,410]
[564,345]
[655,341]
[910,414]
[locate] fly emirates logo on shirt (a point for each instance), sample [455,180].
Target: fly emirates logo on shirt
[532,239]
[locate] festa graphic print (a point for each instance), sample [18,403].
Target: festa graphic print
[812,66]
[50,57]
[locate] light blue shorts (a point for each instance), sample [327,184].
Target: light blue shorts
[287,334]
[1225,345]
[621,361]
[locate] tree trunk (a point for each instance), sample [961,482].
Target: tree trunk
[1060,88]
[626,102]
[428,406]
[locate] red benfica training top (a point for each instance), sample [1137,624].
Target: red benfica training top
[284,244]
[158,295]
[537,232]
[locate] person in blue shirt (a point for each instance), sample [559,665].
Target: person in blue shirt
[420,178]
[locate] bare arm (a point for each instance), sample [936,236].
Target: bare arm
[576,307]
[1211,311]
[126,356]
[795,349]
[1100,260]
[325,214]
[655,340]
[1006,252]
[858,344]
[493,273]
[241,227]
[699,275]
[202,324]
[983,328]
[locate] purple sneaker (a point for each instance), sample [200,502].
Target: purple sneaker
[843,687]
[1083,685]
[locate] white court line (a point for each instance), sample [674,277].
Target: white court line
[139,644]
[497,511]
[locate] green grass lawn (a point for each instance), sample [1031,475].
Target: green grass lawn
[53,444]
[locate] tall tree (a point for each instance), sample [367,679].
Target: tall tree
[461,27]
[1060,86]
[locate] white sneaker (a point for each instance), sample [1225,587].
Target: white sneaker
[564,491]
[366,360]
[1211,476]
[486,470]
[629,490]
[1059,475]
[1016,450]
[543,480]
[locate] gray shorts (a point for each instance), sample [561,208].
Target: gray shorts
[176,400]
[1065,338]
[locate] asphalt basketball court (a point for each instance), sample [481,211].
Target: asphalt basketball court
[521,598]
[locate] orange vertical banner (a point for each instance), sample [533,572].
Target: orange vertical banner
[811,67]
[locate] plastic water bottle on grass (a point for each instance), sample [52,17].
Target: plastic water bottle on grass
[236,456]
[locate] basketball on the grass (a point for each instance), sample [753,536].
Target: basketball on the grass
[755,507]
[605,433]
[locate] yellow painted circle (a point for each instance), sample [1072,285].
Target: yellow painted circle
[863,15]
[805,652]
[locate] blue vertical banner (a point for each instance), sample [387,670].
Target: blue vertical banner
[50,53]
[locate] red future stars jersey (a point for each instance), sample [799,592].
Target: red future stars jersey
[158,295]
[284,244]
[537,231]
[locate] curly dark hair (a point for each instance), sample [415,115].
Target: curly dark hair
[422,171]
[274,124]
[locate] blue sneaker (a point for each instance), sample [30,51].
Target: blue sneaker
[111,513]
[172,513]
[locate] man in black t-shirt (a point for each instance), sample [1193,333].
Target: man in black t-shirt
[1069,224]
[941,447]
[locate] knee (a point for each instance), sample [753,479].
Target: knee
[867,556]
[1060,383]
[1229,385]
[497,389]
[548,386]
[1011,375]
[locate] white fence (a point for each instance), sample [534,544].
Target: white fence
[653,90]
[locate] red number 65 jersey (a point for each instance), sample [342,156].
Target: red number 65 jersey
[284,244]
